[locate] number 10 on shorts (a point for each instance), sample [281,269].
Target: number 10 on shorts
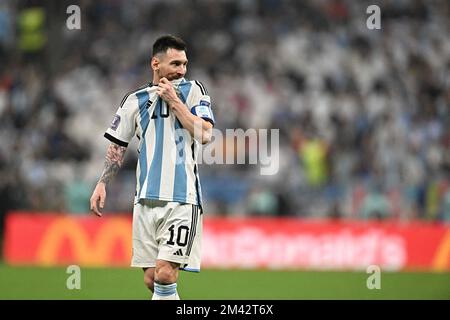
[182,235]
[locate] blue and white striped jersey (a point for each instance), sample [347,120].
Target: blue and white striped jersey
[167,165]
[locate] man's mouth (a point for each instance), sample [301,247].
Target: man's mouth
[174,77]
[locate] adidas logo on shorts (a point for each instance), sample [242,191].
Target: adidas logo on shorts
[179,252]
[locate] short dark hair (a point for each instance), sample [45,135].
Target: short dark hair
[162,44]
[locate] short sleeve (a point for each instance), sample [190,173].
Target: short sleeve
[200,102]
[123,125]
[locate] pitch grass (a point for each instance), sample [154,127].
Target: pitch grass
[127,283]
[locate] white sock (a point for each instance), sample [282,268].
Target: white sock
[165,292]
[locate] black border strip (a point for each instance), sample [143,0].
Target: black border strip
[225,309]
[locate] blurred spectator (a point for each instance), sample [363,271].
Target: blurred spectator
[77,195]
[262,202]
[355,107]
[446,207]
[376,205]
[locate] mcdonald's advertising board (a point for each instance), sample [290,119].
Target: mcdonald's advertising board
[272,243]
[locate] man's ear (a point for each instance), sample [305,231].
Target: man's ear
[154,63]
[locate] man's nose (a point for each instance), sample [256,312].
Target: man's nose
[181,70]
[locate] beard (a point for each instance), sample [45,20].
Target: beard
[172,77]
[169,76]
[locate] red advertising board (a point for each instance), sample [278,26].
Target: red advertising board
[50,239]
[293,243]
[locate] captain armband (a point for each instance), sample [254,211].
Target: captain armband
[203,110]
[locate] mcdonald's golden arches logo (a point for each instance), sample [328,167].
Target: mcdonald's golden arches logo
[97,252]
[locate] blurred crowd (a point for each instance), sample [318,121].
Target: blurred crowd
[363,115]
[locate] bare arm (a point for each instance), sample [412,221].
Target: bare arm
[113,162]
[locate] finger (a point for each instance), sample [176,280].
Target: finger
[163,86]
[97,210]
[94,207]
[102,201]
[91,201]
[164,80]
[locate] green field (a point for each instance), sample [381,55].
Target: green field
[118,283]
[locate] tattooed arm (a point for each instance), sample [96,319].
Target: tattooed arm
[113,162]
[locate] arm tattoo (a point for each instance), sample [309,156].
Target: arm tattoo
[113,162]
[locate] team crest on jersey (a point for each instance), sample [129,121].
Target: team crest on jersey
[115,122]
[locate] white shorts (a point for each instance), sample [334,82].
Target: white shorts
[169,231]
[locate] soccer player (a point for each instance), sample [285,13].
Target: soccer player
[170,116]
